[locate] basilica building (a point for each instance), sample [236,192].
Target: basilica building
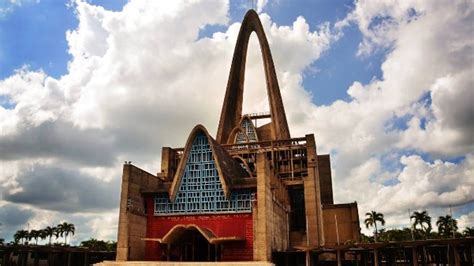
[253,192]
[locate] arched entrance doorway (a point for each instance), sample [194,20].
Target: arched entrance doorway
[190,242]
[191,245]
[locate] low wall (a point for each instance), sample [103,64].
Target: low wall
[174,263]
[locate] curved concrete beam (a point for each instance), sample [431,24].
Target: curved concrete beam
[232,108]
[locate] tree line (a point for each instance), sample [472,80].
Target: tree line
[61,230]
[23,237]
[421,228]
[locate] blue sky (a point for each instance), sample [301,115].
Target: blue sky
[37,32]
[378,83]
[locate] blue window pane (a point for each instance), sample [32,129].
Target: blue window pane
[200,190]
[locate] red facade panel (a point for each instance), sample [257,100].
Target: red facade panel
[222,225]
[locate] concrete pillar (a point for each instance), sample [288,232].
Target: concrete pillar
[123,225]
[69,255]
[262,238]
[365,258]
[132,223]
[36,261]
[50,258]
[414,256]
[23,255]
[6,257]
[312,196]
[308,258]
[338,257]
[376,257]
[457,258]
[468,250]
[423,256]
[216,252]
[86,258]
[391,259]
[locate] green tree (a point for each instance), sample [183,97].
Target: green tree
[66,229]
[469,231]
[20,236]
[35,234]
[50,231]
[372,218]
[395,234]
[57,233]
[446,225]
[423,220]
[43,234]
[111,245]
[99,245]
[94,244]
[366,239]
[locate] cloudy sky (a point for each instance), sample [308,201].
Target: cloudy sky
[385,86]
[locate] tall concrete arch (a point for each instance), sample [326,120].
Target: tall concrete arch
[232,108]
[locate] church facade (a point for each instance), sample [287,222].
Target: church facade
[251,193]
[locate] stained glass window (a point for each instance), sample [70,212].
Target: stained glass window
[249,132]
[200,190]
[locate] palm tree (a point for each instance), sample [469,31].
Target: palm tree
[446,225]
[469,231]
[372,218]
[20,235]
[57,233]
[422,218]
[35,234]
[50,231]
[17,236]
[43,234]
[66,229]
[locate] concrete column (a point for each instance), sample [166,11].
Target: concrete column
[414,256]
[24,257]
[216,252]
[423,256]
[391,260]
[132,223]
[6,257]
[376,257]
[365,258]
[86,258]
[50,258]
[262,238]
[69,255]
[36,261]
[468,250]
[308,258]
[457,258]
[338,257]
[312,196]
[123,225]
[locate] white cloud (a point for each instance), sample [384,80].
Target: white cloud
[466,220]
[261,4]
[427,78]
[8,6]
[140,79]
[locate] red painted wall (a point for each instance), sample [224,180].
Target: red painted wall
[221,225]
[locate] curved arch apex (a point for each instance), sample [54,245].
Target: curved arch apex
[232,107]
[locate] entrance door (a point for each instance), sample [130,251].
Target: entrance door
[193,246]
